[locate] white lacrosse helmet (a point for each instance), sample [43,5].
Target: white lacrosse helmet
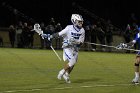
[77,20]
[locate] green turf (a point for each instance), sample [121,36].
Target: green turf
[35,71]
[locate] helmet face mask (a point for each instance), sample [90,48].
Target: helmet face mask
[77,20]
[78,24]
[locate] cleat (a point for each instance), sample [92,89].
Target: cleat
[59,76]
[66,78]
[135,81]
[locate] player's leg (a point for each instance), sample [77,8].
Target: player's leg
[66,76]
[67,69]
[61,72]
[70,69]
[136,68]
[68,54]
[76,58]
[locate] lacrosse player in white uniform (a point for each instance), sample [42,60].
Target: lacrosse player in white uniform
[73,38]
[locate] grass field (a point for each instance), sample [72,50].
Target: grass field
[35,71]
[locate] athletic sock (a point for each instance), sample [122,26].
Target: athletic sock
[62,71]
[66,73]
[136,74]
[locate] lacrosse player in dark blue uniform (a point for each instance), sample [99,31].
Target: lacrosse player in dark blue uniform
[137,62]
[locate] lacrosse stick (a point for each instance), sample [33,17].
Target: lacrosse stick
[55,53]
[38,29]
[126,47]
[120,46]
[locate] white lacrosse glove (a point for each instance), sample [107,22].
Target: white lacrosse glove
[69,42]
[65,44]
[72,41]
[44,36]
[48,36]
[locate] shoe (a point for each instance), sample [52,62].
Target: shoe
[59,76]
[135,81]
[66,78]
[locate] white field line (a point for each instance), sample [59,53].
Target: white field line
[63,88]
[24,90]
[31,53]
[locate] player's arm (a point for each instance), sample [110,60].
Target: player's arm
[128,45]
[81,39]
[134,41]
[55,35]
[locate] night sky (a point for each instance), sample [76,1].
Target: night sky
[118,11]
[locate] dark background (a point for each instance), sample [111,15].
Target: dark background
[118,11]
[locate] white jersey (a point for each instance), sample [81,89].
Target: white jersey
[72,32]
[71,52]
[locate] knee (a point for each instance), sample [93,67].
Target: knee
[137,60]
[72,62]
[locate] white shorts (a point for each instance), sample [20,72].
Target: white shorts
[70,55]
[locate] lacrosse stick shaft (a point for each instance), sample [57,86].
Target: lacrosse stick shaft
[111,46]
[101,45]
[131,49]
[55,53]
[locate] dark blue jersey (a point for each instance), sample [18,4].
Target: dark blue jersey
[137,39]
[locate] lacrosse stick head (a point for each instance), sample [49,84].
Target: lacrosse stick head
[119,46]
[37,29]
[122,46]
